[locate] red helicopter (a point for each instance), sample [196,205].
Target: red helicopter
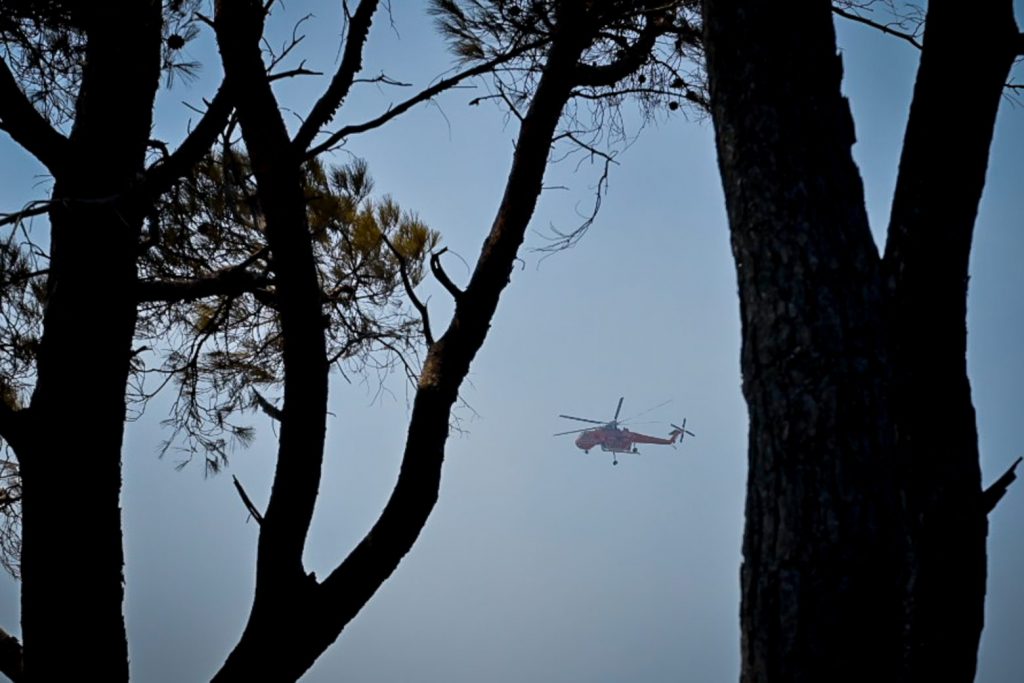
[615,439]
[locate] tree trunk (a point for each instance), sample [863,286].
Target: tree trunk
[72,557]
[821,594]
[864,552]
[941,177]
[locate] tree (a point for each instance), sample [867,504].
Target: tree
[564,46]
[138,250]
[864,549]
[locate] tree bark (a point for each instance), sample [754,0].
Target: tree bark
[864,553]
[821,595]
[942,173]
[72,557]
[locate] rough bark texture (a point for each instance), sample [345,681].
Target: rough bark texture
[820,501]
[942,173]
[864,541]
[71,555]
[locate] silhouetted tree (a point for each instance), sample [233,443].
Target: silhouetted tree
[248,269]
[864,549]
[561,48]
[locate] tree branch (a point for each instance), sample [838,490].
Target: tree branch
[354,581]
[246,501]
[34,209]
[633,59]
[232,281]
[27,126]
[162,174]
[423,96]
[420,306]
[267,407]
[902,35]
[442,277]
[351,62]
[994,493]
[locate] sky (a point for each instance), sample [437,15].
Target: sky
[540,562]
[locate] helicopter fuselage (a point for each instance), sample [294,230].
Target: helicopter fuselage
[616,440]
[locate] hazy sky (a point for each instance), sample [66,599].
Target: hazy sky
[539,562]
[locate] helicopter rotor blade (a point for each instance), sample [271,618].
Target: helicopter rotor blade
[649,410]
[574,431]
[582,419]
[618,409]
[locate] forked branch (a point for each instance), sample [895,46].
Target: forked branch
[442,276]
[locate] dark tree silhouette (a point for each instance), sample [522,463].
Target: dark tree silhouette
[565,46]
[255,264]
[864,549]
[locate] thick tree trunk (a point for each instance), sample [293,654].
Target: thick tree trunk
[72,557]
[821,595]
[864,555]
[942,173]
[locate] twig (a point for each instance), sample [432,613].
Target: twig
[902,35]
[39,208]
[246,501]
[420,306]
[422,96]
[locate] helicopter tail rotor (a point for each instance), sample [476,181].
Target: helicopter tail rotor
[681,431]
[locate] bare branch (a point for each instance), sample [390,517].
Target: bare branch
[902,35]
[351,62]
[267,407]
[420,306]
[27,126]
[442,277]
[299,71]
[33,209]
[195,145]
[633,58]
[246,501]
[422,96]
[994,493]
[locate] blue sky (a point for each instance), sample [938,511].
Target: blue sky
[539,562]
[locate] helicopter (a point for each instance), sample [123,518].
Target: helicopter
[615,439]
